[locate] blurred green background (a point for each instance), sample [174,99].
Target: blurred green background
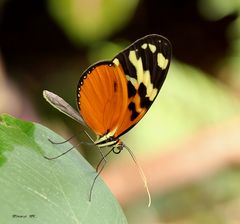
[48,44]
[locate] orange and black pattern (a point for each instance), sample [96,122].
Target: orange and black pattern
[114,95]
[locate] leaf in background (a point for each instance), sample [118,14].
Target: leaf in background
[55,191]
[87,21]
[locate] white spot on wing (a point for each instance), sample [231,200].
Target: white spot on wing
[153,94]
[162,61]
[144,46]
[116,62]
[142,76]
[137,63]
[152,48]
[132,80]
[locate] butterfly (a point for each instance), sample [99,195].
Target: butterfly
[114,95]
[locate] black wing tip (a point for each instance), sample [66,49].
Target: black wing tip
[155,36]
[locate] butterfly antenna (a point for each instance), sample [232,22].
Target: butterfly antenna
[140,170]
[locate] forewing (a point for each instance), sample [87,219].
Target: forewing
[145,64]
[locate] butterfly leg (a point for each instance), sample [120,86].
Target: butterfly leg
[56,143]
[99,169]
[103,159]
[65,141]
[55,157]
[69,139]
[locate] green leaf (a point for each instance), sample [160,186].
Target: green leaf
[36,190]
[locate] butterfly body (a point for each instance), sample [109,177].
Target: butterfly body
[114,95]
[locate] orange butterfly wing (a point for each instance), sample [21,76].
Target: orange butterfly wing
[114,95]
[103,95]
